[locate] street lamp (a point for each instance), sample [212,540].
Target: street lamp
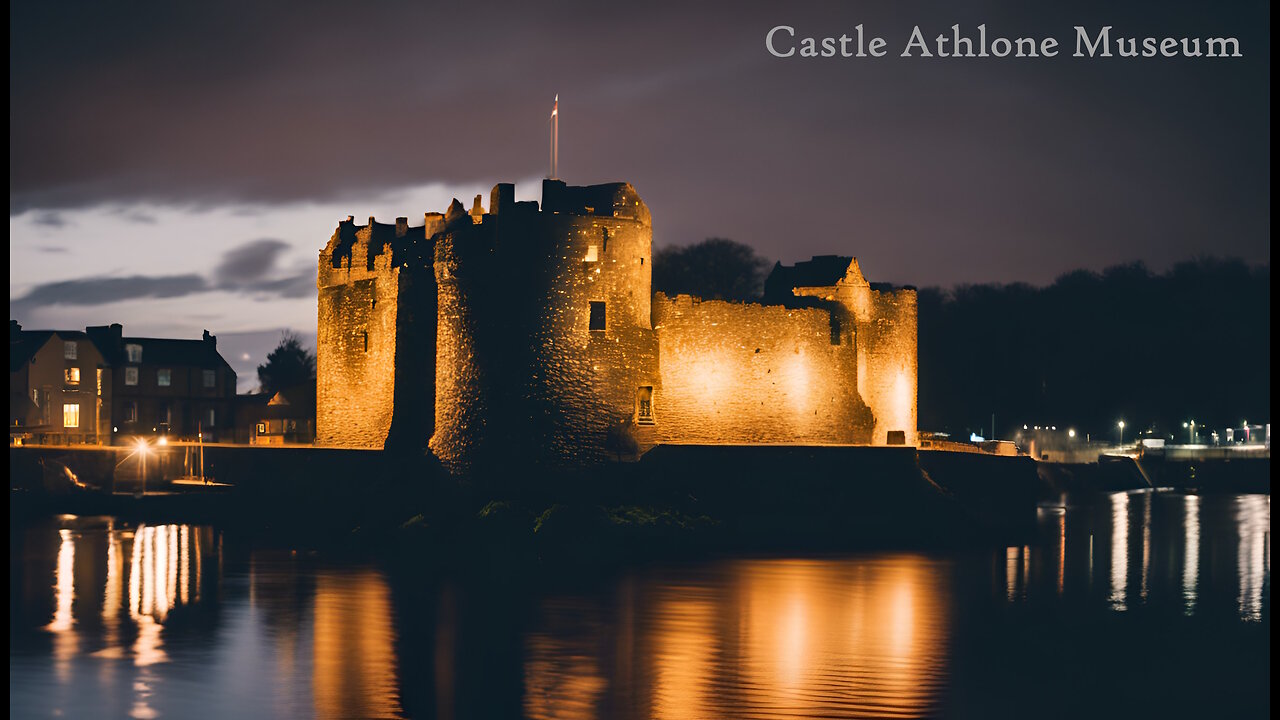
[1121,425]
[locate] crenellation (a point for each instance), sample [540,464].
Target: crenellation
[532,333]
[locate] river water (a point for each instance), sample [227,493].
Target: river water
[1130,605]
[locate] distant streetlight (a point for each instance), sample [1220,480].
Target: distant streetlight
[1191,431]
[1071,433]
[1121,425]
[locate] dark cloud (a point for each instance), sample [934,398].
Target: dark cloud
[300,285]
[250,262]
[50,219]
[101,290]
[249,269]
[930,170]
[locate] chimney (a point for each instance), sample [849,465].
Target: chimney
[402,226]
[211,339]
[370,222]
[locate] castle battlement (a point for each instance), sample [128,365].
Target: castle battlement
[530,331]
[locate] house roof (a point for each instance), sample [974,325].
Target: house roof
[29,343]
[165,351]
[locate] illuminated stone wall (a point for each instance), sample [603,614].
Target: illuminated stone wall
[747,373]
[520,372]
[887,360]
[360,292]
[884,328]
[478,332]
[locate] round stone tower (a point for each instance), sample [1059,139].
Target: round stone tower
[545,353]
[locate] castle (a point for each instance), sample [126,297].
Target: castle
[531,334]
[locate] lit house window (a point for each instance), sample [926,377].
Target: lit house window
[210,378]
[597,316]
[593,253]
[131,376]
[69,350]
[72,375]
[133,353]
[71,415]
[164,377]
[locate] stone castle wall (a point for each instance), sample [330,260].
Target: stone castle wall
[359,294]
[476,332]
[520,371]
[747,373]
[887,362]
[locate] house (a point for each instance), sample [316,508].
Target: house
[287,417]
[57,380]
[98,386]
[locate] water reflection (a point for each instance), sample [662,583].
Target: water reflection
[354,664]
[150,621]
[836,638]
[1190,551]
[1253,523]
[1119,549]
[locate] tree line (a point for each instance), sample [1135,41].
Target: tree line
[1090,349]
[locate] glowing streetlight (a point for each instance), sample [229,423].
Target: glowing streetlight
[1071,433]
[1121,426]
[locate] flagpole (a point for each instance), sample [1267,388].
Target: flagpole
[555,137]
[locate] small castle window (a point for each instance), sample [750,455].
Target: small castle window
[641,261]
[593,253]
[644,405]
[597,316]
[604,233]
[365,336]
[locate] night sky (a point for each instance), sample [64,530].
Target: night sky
[177,166]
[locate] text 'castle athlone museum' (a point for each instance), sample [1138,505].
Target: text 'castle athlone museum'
[532,333]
